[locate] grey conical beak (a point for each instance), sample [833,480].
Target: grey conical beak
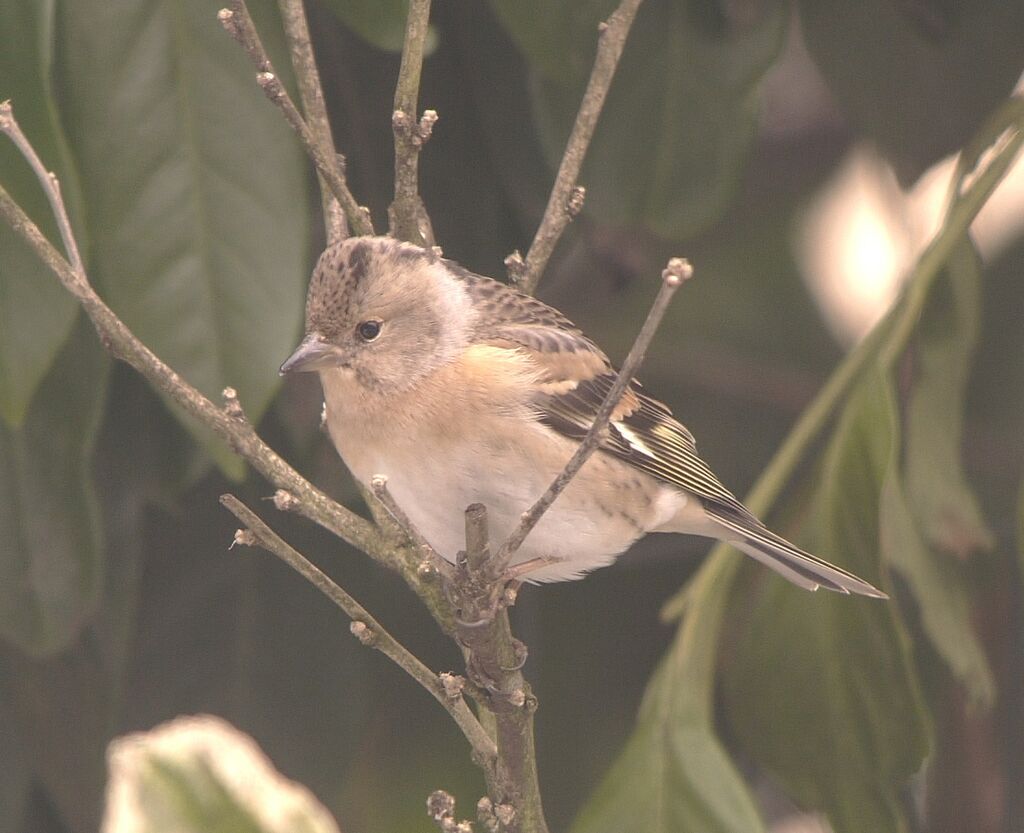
[313,354]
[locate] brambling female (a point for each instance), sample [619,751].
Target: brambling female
[461,390]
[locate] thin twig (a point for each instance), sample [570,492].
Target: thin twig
[366,628]
[379,488]
[300,47]
[677,271]
[238,23]
[407,215]
[565,201]
[10,126]
[228,423]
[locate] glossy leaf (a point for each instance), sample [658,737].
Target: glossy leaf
[379,22]
[196,192]
[36,313]
[822,690]
[918,78]
[680,117]
[674,773]
[51,569]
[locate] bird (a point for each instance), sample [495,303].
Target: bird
[459,389]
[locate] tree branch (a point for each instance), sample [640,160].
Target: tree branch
[300,47]
[238,23]
[407,216]
[379,489]
[366,628]
[566,198]
[10,126]
[494,659]
[673,276]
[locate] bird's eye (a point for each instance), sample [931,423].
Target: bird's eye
[369,330]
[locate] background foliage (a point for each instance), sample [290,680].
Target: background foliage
[120,606]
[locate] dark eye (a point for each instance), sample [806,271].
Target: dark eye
[369,330]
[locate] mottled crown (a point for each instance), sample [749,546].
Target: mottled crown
[344,272]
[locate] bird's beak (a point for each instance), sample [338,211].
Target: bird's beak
[313,354]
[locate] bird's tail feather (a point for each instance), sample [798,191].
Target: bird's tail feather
[792,563]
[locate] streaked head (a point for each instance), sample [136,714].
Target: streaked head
[386,311]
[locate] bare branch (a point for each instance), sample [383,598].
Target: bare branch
[677,271]
[367,629]
[10,126]
[494,659]
[379,488]
[407,215]
[300,47]
[238,23]
[565,201]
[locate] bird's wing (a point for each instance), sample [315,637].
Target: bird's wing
[575,377]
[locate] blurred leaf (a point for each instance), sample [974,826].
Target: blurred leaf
[196,192]
[674,773]
[944,346]
[379,22]
[51,570]
[199,774]
[939,586]
[927,509]
[917,77]
[36,313]
[672,141]
[822,690]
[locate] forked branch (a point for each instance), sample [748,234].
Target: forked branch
[365,627]
[407,216]
[313,131]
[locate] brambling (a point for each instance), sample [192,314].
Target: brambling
[461,390]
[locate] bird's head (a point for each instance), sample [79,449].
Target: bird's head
[384,312]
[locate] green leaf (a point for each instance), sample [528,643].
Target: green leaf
[197,775]
[674,773]
[918,78]
[678,123]
[941,591]
[943,348]
[927,509]
[822,690]
[379,22]
[196,191]
[51,567]
[36,313]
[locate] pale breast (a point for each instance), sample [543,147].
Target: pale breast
[470,437]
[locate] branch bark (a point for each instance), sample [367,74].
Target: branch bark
[366,628]
[566,198]
[300,47]
[494,659]
[407,216]
[318,144]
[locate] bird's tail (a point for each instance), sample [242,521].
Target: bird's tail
[791,562]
